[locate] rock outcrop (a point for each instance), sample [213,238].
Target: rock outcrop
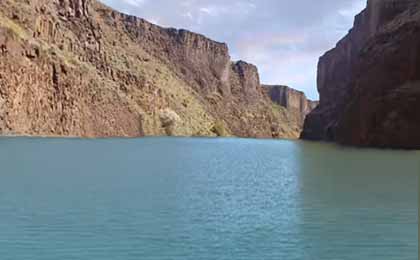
[293,100]
[77,8]
[79,68]
[369,84]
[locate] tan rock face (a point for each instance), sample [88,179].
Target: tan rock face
[79,68]
[293,100]
[77,8]
[369,82]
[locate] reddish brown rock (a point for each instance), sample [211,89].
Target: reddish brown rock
[369,83]
[77,8]
[79,68]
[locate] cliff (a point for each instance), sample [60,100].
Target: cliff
[369,83]
[79,68]
[293,100]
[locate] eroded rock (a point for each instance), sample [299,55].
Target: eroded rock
[79,68]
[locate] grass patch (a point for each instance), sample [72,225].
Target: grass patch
[13,27]
[219,128]
[278,110]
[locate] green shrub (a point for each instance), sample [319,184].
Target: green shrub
[219,128]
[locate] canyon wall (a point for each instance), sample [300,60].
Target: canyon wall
[79,68]
[369,83]
[293,100]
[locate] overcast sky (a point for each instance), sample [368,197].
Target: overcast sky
[284,38]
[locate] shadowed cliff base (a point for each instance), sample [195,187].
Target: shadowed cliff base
[79,68]
[369,84]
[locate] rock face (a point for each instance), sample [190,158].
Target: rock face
[369,84]
[77,8]
[79,68]
[293,100]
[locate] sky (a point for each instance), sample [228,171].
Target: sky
[284,38]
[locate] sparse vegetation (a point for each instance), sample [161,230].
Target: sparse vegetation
[118,77]
[13,27]
[219,128]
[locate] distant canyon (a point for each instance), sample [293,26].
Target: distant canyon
[79,68]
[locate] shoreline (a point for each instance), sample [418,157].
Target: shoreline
[320,142]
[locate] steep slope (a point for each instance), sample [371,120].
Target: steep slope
[79,68]
[293,100]
[369,84]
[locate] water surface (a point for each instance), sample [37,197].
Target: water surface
[189,199]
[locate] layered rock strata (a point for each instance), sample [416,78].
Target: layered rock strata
[293,100]
[79,68]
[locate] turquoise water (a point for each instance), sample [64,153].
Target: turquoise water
[205,199]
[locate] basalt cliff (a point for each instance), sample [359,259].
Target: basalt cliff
[293,100]
[369,84]
[79,68]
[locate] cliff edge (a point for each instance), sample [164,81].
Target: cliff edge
[369,84]
[293,100]
[79,68]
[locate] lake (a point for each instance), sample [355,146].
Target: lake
[190,199]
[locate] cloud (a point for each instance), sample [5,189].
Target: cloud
[283,38]
[135,3]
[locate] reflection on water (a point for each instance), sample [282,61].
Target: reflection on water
[162,198]
[359,201]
